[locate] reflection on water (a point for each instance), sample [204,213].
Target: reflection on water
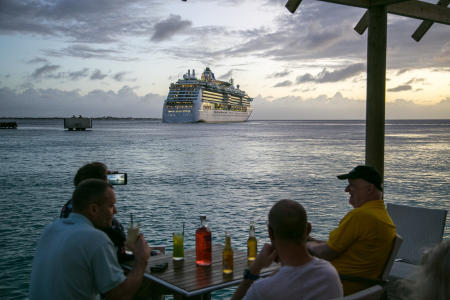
[232,173]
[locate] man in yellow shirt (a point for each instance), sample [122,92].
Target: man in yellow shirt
[361,244]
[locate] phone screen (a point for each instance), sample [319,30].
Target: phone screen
[117,179]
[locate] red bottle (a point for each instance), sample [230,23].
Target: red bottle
[203,244]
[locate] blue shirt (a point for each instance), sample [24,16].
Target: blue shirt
[74,260]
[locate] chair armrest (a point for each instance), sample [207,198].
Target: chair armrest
[368,281]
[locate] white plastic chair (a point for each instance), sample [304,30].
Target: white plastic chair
[421,229]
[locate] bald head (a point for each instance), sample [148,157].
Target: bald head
[288,221]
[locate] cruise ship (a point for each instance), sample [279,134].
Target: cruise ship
[205,100]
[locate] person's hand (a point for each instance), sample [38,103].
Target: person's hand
[141,250]
[264,259]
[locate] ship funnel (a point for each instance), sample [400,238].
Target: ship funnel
[189,72]
[193,73]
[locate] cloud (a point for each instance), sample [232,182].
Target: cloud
[97,103]
[169,27]
[119,76]
[279,74]
[283,83]
[338,107]
[44,70]
[37,60]
[333,76]
[98,75]
[400,88]
[88,52]
[78,74]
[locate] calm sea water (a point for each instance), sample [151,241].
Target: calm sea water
[233,173]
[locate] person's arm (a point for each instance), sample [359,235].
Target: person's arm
[130,286]
[262,260]
[321,250]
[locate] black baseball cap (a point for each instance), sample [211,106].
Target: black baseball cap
[367,173]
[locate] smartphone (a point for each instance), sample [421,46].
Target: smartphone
[117,178]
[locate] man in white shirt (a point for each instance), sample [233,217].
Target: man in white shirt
[75,259]
[301,276]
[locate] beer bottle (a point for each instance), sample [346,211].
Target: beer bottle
[203,244]
[252,244]
[227,256]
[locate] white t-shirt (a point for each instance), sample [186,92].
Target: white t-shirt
[317,279]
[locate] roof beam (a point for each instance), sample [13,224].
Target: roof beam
[413,9]
[420,31]
[425,25]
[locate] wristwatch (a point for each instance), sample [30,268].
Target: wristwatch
[249,275]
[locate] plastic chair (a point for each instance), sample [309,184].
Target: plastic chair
[421,229]
[373,293]
[387,267]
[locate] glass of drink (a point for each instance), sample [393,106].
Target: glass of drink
[178,246]
[132,234]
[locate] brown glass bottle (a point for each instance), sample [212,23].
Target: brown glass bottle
[203,244]
[227,256]
[252,244]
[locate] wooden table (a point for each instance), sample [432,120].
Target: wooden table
[187,279]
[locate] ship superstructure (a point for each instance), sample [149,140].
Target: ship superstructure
[205,100]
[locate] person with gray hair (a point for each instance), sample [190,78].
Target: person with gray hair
[75,259]
[301,276]
[432,281]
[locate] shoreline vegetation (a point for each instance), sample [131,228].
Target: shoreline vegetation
[155,119]
[62,118]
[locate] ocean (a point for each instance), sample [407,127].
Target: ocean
[232,173]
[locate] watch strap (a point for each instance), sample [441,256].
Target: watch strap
[249,275]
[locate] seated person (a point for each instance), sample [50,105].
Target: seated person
[301,275]
[76,260]
[361,244]
[116,233]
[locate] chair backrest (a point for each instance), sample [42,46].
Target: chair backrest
[373,293]
[421,228]
[390,261]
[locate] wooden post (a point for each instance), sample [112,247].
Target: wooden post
[376,87]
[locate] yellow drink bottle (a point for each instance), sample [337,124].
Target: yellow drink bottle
[252,244]
[227,256]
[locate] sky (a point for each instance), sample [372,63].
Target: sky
[118,57]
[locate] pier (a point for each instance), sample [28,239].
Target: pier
[77,123]
[8,125]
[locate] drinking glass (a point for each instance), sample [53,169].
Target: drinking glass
[178,246]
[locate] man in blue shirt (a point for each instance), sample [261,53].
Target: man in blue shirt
[74,259]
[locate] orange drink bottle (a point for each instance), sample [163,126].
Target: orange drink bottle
[203,244]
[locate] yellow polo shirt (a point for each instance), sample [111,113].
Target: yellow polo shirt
[363,240]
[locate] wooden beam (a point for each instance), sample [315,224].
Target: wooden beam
[425,25]
[421,10]
[376,87]
[417,35]
[292,5]
[384,2]
[363,23]
[413,8]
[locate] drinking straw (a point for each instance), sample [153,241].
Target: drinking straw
[183,228]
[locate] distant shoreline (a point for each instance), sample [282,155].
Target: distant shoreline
[156,119]
[62,118]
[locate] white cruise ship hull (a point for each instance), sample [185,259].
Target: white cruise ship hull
[206,100]
[208,116]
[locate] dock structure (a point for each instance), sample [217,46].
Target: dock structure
[77,123]
[375,19]
[8,125]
